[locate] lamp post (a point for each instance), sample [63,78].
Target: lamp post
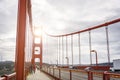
[96,56]
[67,60]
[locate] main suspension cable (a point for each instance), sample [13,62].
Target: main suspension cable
[88,29]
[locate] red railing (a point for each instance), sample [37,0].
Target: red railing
[88,29]
[9,77]
[24,41]
[104,68]
[97,72]
[66,50]
[77,74]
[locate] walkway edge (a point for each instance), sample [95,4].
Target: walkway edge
[51,75]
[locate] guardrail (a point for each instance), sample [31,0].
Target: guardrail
[8,77]
[76,74]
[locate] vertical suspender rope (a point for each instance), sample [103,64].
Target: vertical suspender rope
[57,49]
[29,46]
[48,51]
[72,48]
[107,40]
[90,47]
[46,48]
[62,50]
[26,43]
[79,43]
[67,52]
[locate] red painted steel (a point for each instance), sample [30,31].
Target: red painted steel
[70,74]
[59,74]
[103,75]
[29,10]
[9,77]
[96,56]
[24,6]
[88,29]
[12,76]
[22,62]
[37,55]
[3,77]
[104,68]
[20,43]
[90,75]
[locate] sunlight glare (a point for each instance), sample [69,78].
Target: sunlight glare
[38,31]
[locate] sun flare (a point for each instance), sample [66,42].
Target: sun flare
[37,31]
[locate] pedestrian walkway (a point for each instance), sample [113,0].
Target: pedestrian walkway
[38,75]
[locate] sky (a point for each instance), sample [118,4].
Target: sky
[60,17]
[8,19]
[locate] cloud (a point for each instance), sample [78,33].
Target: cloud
[64,16]
[8,21]
[8,16]
[67,13]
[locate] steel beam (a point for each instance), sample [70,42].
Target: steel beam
[20,42]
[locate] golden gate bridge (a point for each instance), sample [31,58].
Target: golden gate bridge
[63,68]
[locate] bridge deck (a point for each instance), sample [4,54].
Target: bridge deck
[38,75]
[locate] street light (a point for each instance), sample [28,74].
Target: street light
[96,56]
[67,60]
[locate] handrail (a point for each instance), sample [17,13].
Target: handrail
[71,74]
[88,29]
[2,78]
[8,77]
[12,75]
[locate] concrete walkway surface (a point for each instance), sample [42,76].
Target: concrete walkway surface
[38,75]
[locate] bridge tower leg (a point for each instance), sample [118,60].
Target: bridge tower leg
[20,42]
[34,56]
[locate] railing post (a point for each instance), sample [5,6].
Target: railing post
[70,74]
[47,69]
[106,76]
[53,71]
[50,70]
[26,73]
[90,75]
[59,74]
[6,76]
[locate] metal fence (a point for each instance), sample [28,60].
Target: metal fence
[76,74]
